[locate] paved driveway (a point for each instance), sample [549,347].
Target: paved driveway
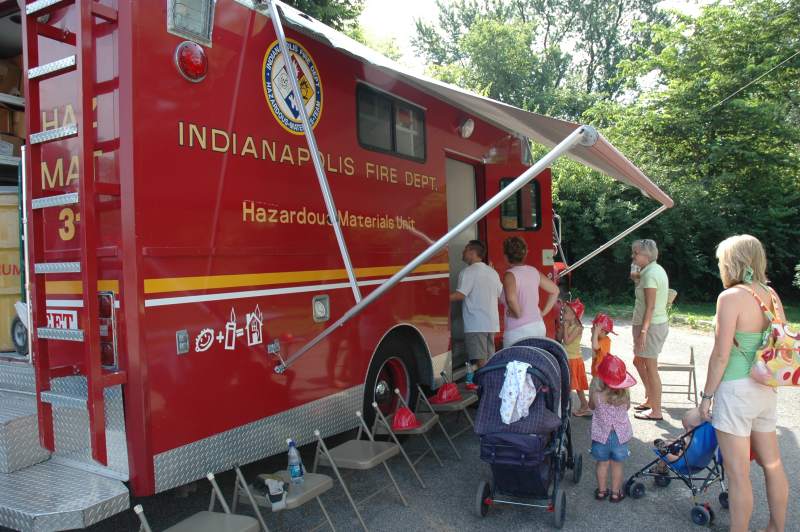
[448,502]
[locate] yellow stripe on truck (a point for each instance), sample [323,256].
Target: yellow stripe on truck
[214,282]
[76,287]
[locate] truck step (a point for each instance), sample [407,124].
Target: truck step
[17,376]
[69,198]
[68,335]
[52,69]
[57,267]
[52,496]
[19,432]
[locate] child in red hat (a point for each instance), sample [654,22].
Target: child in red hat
[611,426]
[602,325]
[571,339]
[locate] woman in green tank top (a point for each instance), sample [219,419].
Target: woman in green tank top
[744,411]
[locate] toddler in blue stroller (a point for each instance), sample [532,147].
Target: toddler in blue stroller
[528,456]
[693,459]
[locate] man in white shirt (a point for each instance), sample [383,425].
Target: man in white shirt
[479,289]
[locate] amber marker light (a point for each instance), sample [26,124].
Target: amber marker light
[191,60]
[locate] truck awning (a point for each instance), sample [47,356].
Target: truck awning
[602,156]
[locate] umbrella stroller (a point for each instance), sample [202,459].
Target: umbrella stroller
[528,457]
[693,459]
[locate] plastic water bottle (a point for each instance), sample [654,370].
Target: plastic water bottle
[295,464]
[470,374]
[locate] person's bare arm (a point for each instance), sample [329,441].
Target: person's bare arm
[457,296]
[510,289]
[595,337]
[723,342]
[552,293]
[649,307]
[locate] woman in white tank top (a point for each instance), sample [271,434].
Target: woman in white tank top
[521,285]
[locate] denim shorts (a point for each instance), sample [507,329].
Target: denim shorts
[612,449]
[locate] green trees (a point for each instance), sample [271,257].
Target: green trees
[656,84]
[340,14]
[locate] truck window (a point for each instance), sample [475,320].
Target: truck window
[390,125]
[521,211]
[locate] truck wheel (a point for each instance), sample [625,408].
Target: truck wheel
[19,336]
[391,368]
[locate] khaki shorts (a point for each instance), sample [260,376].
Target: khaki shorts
[743,406]
[480,346]
[656,336]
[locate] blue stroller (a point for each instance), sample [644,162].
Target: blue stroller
[698,465]
[528,457]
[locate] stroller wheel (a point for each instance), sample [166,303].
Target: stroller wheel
[723,499]
[662,481]
[577,468]
[635,490]
[559,508]
[483,499]
[701,516]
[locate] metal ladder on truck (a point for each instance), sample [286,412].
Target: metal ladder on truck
[43,487]
[83,61]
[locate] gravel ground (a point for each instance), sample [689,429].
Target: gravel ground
[448,502]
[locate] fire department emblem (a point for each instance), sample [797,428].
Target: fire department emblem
[283,102]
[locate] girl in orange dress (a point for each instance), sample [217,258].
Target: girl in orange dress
[571,339]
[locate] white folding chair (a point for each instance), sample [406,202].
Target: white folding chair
[691,386]
[428,420]
[313,486]
[360,455]
[209,521]
[459,407]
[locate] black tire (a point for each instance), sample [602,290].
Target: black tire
[700,516]
[723,500]
[638,490]
[484,492]
[628,486]
[392,352]
[559,508]
[577,468]
[19,336]
[662,481]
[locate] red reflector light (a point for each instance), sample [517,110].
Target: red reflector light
[191,60]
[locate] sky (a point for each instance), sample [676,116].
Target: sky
[383,19]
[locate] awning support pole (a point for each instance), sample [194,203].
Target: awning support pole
[312,147]
[614,240]
[585,135]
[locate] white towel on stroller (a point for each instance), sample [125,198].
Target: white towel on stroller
[518,392]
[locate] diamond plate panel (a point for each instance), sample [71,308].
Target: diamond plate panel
[54,201]
[259,439]
[71,427]
[68,335]
[66,63]
[18,377]
[54,134]
[39,5]
[19,433]
[57,267]
[51,496]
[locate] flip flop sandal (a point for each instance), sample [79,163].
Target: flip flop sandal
[642,408]
[616,497]
[600,495]
[648,417]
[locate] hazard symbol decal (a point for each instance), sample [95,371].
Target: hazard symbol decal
[283,102]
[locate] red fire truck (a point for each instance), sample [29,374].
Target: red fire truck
[263,248]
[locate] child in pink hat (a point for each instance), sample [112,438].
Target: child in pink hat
[611,427]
